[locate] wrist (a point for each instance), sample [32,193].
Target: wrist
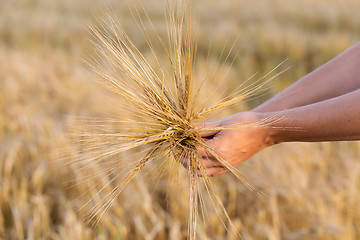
[272,133]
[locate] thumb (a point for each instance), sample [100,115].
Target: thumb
[205,129]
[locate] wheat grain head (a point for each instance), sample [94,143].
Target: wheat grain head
[157,121]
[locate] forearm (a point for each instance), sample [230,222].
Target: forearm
[335,78]
[335,119]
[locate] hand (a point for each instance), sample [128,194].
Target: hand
[240,140]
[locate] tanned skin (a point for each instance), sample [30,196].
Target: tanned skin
[322,106]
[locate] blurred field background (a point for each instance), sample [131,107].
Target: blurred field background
[313,188]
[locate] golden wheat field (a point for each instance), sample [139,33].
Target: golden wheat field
[312,189]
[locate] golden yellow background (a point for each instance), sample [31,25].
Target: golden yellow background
[313,188]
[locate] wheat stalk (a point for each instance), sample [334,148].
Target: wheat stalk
[162,109]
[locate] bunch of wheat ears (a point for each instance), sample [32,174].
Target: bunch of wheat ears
[161,107]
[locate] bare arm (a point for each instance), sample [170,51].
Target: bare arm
[335,119]
[337,77]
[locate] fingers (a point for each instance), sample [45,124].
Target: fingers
[210,162]
[211,167]
[213,171]
[208,143]
[206,163]
[202,152]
